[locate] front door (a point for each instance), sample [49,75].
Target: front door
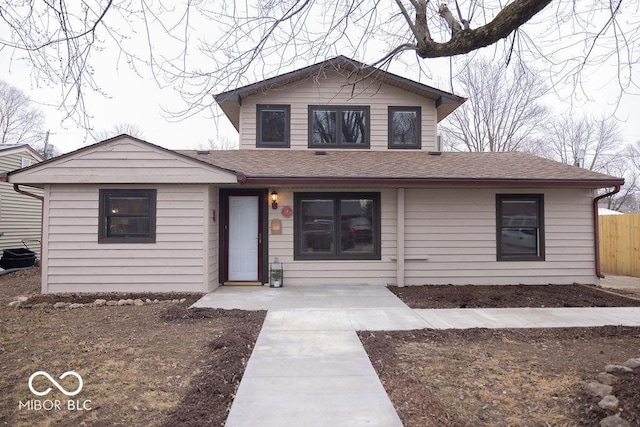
[244,238]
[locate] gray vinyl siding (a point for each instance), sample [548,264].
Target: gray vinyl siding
[451,239]
[20,215]
[75,262]
[331,90]
[123,162]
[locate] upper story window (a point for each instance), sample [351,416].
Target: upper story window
[273,126]
[520,227]
[24,162]
[404,127]
[127,216]
[338,126]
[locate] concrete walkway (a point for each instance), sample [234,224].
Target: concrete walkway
[308,367]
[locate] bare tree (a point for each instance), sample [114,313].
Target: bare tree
[223,142]
[241,42]
[591,143]
[626,164]
[130,129]
[502,113]
[20,121]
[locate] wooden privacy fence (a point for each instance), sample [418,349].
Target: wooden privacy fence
[620,244]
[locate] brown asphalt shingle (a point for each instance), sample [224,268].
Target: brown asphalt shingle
[394,164]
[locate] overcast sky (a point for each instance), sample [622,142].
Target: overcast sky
[137,99]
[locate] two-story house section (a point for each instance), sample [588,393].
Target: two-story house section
[339,176]
[338,104]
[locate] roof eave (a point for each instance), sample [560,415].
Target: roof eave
[301,180]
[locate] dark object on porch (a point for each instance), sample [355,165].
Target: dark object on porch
[17,258]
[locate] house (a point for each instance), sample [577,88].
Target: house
[20,215]
[339,176]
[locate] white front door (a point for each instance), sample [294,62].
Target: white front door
[243,238]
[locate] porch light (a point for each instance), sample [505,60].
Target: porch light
[274,200]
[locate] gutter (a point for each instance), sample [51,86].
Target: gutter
[596,228]
[310,180]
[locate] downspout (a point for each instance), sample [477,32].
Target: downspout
[17,189]
[596,228]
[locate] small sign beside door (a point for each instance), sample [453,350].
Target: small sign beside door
[276,226]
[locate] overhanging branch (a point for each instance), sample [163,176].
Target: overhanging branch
[510,18]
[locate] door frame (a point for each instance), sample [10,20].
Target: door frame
[263,235]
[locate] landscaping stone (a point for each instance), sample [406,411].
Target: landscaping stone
[614,421]
[617,368]
[128,301]
[632,363]
[112,302]
[183,300]
[76,305]
[60,305]
[99,302]
[41,305]
[138,302]
[15,304]
[607,378]
[122,302]
[609,403]
[598,389]
[148,301]
[155,301]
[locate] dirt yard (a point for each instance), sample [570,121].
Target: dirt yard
[164,365]
[150,365]
[510,377]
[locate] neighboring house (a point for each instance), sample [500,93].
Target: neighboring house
[338,176]
[20,215]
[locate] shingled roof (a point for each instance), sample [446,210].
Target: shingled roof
[399,167]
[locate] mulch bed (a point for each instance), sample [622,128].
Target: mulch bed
[215,386]
[511,296]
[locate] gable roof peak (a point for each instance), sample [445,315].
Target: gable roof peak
[230,101]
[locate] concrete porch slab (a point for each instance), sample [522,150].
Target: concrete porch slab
[238,297]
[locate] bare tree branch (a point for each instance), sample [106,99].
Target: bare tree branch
[20,121]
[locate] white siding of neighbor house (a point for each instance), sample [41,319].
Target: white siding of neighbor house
[331,90]
[73,260]
[20,215]
[450,238]
[309,273]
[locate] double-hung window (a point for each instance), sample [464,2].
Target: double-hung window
[337,226]
[520,227]
[273,126]
[404,127]
[338,126]
[127,216]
